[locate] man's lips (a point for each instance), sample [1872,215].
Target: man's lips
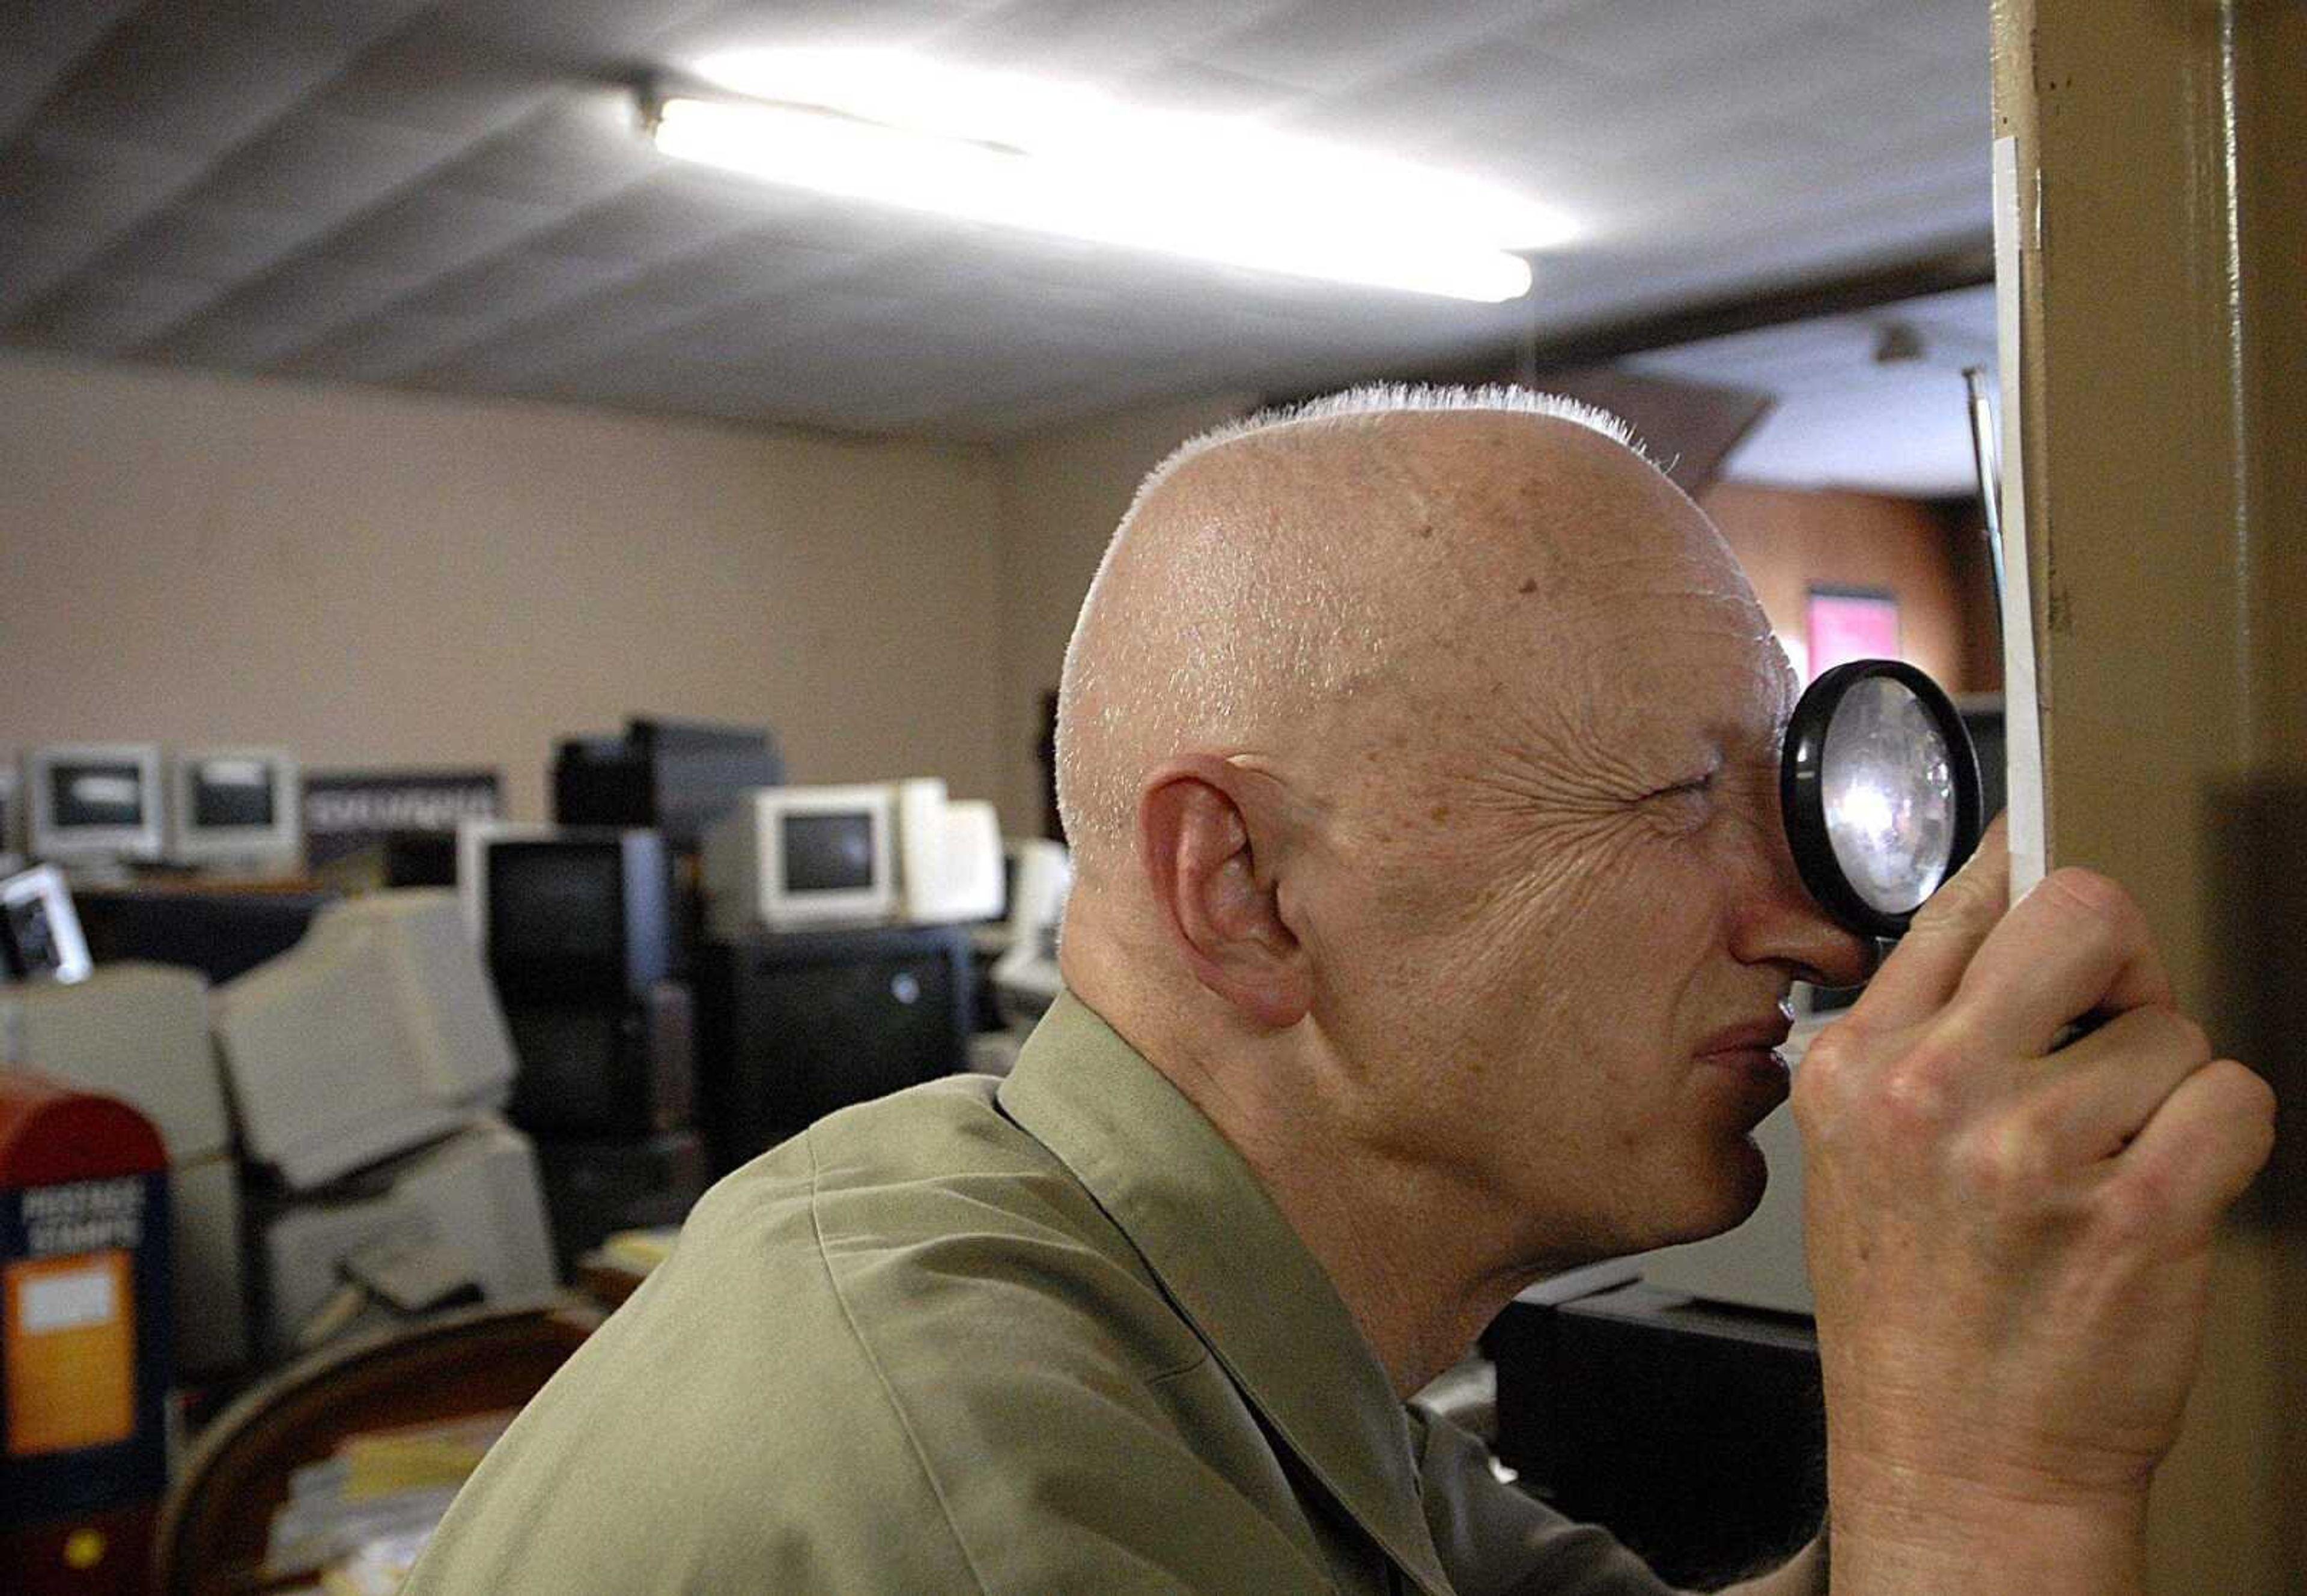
[1753,1036]
[1746,1057]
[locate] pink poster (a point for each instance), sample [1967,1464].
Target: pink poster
[1847,624]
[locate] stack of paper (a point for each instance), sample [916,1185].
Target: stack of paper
[355,1516]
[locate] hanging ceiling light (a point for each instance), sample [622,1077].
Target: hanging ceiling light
[1062,159]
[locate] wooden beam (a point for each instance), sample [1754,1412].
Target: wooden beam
[2167,495]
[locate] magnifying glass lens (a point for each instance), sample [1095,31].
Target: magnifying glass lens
[1889,789]
[1880,790]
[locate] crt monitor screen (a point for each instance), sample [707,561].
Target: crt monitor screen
[96,793]
[232,792]
[40,933]
[30,935]
[831,852]
[557,902]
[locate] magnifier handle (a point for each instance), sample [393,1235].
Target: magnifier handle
[1880,951]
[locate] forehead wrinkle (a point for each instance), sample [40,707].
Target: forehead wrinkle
[1547,662]
[1624,711]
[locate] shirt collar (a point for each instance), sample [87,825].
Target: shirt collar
[1230,1261]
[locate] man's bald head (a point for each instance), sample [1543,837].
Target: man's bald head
[1423,766]
[1275,575]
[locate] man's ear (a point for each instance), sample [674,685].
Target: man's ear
[1201,824]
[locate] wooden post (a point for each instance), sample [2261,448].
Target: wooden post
[2164,329]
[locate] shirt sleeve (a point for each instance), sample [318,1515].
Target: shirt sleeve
[1494,1540]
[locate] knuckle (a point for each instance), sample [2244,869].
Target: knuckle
[2255,1098]
[1915,1100]
[2264,1105]
[2152,1034]
[2138,1207]
[2003,1161]
[1855,1087]
[1811,1099]
[1958,906]
[1826,1079]
[2100,901]
[1916,1096]
[2247,1124]
[2188,1039]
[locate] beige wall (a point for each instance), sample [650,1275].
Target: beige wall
[1789,541]
[1061,496]
[376,580]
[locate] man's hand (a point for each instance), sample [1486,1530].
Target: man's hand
[2010,1239]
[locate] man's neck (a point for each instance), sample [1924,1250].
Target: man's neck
[1412,1255]
[1417,1301]
[1416,1277]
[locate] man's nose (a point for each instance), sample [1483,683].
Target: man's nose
[1782,923]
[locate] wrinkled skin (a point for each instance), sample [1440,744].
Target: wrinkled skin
[1583,887]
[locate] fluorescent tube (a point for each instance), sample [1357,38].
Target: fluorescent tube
[1054,158]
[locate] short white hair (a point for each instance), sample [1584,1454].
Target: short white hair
[1387,399]
[1391,398]
[1231,638]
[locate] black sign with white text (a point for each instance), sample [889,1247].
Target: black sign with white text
[346,811]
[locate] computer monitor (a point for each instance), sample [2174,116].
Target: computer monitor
[948,855]
[92,804]
[1025,978]
[419,858]
[786,857]
[236,808]
[467,1210]
[582,914]
[674,777]
[376,1031]
[40,934]
[474,840]
[793,1025]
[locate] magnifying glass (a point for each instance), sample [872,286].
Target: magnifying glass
[1880,789]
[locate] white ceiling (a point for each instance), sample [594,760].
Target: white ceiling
[446,194]
[1873,399]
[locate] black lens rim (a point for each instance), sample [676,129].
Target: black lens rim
[1802,788]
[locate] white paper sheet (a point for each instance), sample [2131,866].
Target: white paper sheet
[2022,704]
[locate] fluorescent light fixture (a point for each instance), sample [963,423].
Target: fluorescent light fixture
[1053,158]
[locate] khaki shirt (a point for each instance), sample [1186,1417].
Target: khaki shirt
[1044,1336]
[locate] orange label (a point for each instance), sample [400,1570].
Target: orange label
[70,1352]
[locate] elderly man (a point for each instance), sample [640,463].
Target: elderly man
[1432,926]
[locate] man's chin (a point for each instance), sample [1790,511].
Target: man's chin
[1710,1190]
[1726,1201]
[1748,1175]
